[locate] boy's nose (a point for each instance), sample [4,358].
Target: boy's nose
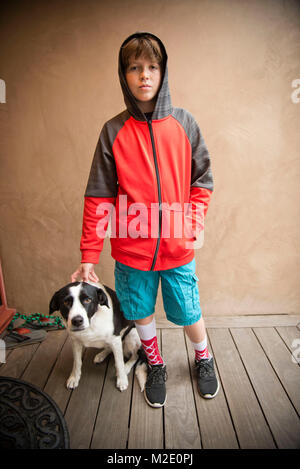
[144,74]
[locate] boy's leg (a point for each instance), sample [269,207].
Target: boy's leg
[182,306]
[146,329]
[137,292]
[197,335]
[208,385]
[155,388]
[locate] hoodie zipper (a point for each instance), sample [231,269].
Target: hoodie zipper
[159,193]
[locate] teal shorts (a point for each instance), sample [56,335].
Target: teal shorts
[137,292]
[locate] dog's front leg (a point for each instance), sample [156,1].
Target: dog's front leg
[117,348]
[74,377]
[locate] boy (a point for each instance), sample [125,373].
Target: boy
[151,156]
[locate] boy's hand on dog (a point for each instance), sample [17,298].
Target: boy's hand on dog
[86,272]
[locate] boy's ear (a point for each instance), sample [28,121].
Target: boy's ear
[102,298]
[54,303]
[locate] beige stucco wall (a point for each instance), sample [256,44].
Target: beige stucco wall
[231,63]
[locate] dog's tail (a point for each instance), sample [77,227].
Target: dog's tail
[141,369]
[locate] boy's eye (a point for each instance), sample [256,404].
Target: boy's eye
[133,68]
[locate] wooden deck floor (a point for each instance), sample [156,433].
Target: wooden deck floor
[258,404]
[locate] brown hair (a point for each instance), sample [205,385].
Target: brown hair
[141,46]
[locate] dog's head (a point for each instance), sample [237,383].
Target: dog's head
[78,302]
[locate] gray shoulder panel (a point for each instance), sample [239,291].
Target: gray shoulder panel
[201,167]
[103,180]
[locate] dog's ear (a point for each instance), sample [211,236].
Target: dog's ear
[54,303]
[102,298]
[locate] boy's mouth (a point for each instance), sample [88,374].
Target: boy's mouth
[145,87]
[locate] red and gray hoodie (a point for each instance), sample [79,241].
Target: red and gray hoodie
[154,167]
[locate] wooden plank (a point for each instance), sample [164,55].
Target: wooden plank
[109,417]
[18,360]
[146,423]
[181,425]
[43,360]
[281,359]
[291,337]
[250,425]
[216,427]
[279,412]
[83,405]
[56,384]
[267,320]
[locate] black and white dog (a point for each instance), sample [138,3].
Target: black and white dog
[93,318]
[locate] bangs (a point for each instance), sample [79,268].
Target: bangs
[141,47]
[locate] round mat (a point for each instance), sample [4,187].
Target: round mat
[29,418]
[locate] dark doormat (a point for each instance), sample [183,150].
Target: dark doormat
[29,418]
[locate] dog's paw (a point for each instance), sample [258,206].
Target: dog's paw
[72,382]
[100,357]
[122,383]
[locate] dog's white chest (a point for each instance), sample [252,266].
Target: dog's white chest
[101,329]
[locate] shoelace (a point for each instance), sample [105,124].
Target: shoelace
[157,375]
[205,368]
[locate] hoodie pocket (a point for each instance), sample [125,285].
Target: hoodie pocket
[175,240]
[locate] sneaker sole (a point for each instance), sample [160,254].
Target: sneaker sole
[154,404]
[210,396]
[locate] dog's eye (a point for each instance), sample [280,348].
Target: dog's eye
[67,302]
[87,300]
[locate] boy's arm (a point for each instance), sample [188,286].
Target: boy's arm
[102,188]
[91,243]
[201,179]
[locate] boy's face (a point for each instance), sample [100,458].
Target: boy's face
[143,77]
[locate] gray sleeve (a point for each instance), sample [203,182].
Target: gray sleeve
[103,181]
[201,167]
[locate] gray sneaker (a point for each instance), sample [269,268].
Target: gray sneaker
[208,384]
[155,388]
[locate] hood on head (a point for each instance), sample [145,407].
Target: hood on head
[163,106]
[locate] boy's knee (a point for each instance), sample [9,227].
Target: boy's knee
[145,321]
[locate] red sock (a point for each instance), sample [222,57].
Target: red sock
[201,350]
[151,349]
[199,354]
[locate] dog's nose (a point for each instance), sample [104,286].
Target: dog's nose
[77,321]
